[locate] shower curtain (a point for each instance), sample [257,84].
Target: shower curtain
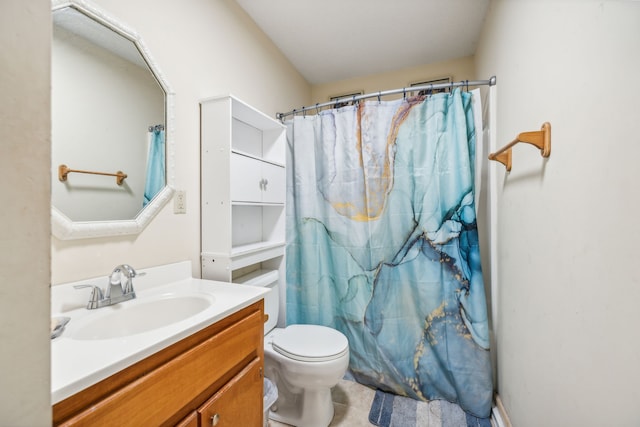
[155,179]
[382,244]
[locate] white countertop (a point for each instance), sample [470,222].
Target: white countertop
[77,364]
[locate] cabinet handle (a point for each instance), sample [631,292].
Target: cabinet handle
[215,419]
[265,184]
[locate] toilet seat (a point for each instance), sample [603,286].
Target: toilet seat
[310,343]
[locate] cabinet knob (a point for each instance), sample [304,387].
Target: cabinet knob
[263,184]
[215,419]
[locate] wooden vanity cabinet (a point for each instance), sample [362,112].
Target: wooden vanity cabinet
[192,420]
[212,376]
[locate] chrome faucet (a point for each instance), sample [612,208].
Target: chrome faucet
[116,291]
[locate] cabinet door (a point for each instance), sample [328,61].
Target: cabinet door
[274,183]
[255,181]
[237,403]
[246,179]
[190,420]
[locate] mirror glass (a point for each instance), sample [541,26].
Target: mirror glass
[110,134]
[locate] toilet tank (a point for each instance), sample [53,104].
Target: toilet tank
[267,279]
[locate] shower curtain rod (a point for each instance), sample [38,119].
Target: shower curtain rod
[404,90]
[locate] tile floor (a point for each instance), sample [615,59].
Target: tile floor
[352,402]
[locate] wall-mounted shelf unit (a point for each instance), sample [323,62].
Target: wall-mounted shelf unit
[242,190]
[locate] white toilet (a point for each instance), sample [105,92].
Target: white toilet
[304,361]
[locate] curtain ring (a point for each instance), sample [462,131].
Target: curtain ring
[431,89]
[317,109]
[378,97]
[404,92]
[451,89]
[467,83]
[304,112]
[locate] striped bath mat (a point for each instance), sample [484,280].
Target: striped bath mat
[389,410]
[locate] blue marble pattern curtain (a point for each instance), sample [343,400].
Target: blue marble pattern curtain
[382,244]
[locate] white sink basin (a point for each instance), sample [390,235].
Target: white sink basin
[138,316]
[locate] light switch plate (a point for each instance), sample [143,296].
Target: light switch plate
[180,202]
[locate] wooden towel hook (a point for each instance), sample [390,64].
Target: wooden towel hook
[540,138]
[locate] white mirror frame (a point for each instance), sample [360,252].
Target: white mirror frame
[61,226]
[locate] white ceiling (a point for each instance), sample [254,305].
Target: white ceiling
[331,40]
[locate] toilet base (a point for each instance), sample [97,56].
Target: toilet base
[304,387]
[315,410]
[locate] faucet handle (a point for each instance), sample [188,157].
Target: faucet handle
[132,272]
[96,295]
[129,272]
[121,282]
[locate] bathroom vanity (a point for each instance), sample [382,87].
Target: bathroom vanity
[204,369]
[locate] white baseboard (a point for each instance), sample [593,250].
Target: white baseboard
[499,417]
[496,419]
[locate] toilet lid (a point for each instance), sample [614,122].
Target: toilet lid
[310,343]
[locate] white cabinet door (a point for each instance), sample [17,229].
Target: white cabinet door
[246,179]
[274,183]
[255,181]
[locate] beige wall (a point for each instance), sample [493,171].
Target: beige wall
[457,70]
[25,38]
[204,48]
[567,230]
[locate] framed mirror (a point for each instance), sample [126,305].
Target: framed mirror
[112,129]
